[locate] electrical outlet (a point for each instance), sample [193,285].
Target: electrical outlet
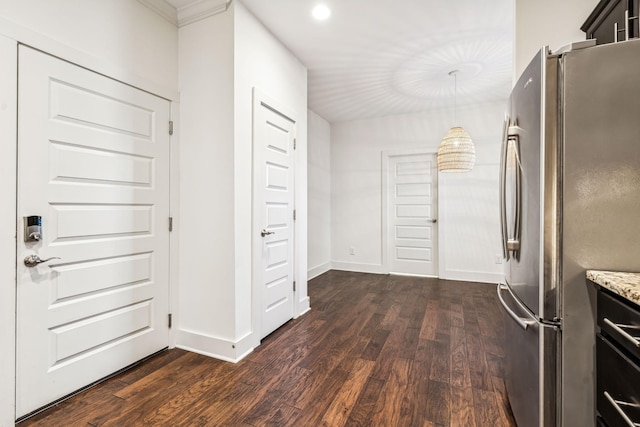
[352,251]
[498,259]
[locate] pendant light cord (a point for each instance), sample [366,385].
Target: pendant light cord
[454,73]
[455,99]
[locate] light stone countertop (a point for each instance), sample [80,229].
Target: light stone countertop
[627,285]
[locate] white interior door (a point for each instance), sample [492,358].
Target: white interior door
[274,136]
[412,216]
[93,163]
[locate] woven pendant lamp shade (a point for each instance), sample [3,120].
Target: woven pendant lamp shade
[456,152]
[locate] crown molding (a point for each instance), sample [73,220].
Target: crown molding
[200,9]
[184,12]
[162,8]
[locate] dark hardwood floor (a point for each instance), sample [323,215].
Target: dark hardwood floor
[373,351]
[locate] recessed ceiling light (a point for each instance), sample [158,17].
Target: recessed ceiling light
[321,12]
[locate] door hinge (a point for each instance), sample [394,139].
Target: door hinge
[170,127]
[294,143]
[294,286]
[294,214]
[170,316]
[170,223]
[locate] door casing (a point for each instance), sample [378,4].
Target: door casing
[8,142]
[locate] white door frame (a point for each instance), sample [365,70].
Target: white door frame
[386,155]
[8,221]
[260,99]
[11,36]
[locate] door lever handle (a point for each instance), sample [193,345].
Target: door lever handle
[266,233]
[34,260]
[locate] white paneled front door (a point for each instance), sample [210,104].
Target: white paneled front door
[412,203]
[273,191]
[93,163]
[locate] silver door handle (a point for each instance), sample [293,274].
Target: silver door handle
[34,260]
[433,220]
[503,167]
[514,244]
[266,233]
[523,323]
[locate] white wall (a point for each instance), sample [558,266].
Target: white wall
[207,273]
[547,22]
[469,224]
[222,58]
[319,194]
[118,38]
[121,34]
[261,61]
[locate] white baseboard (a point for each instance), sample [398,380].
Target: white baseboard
[303,306]
[357,267]
[473,276]
[217,348]
[318,270]
[461,275]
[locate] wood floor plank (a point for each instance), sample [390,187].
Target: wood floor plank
[390,350]
[459,375]
[179,400]
[154,390]
[503,404]
[430,321]
[410,343]
[318,398]
[413,409]
[151,365]
[375,344]
[354,354]
[438,403]
[462,407]
[362,412]
[281,417]
[457,315]
[478,367]
[374,350]
[338,412]
[441,360]
[271,399]
[388,409]
[486,409]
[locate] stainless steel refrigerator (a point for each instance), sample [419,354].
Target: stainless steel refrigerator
[570,201]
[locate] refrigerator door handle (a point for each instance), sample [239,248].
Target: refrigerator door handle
[524,323]
[513,149]
[503,203]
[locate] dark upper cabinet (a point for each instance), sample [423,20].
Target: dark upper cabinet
[612,21]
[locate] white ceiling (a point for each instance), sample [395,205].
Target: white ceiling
[376,58]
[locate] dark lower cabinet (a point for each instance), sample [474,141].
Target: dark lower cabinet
[608,23]
[617,361]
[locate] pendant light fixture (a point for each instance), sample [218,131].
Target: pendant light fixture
[456,152]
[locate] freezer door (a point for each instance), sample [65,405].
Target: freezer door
[531,363]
